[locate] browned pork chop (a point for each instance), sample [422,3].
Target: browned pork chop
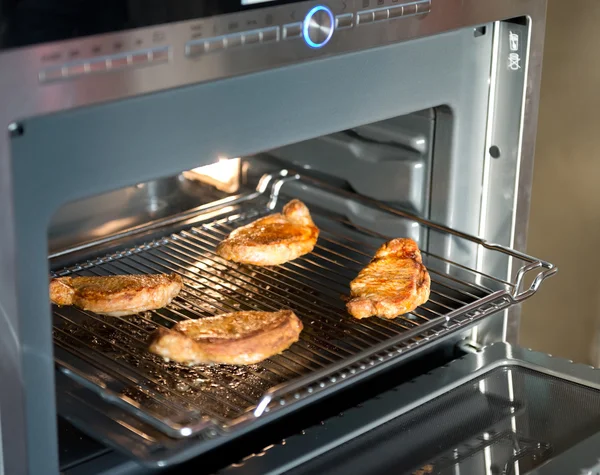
[116,295]
[395,282]
[238,338]
[274,239]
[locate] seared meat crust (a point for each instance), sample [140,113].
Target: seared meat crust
[238,338]
[274,239]
[116,295]
[395,282]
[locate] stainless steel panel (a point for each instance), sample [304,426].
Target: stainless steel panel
[502,160]
[334,348]
[22,66]
[24,327]
[344,21]
[548,380]
[292,30]
[389,161]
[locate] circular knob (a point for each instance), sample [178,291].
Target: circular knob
[318,26]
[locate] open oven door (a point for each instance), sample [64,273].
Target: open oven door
[502,410]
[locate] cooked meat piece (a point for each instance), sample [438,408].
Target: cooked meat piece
[274,239]
[238,338]
[395,282]
[116,295]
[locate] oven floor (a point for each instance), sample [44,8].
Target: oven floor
[75,447]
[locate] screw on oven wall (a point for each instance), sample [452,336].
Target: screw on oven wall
[495,151]
[15,129]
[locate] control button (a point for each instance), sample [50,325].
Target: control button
[292,30]
[269,34]
[97,66]
[318,26]
[108,63]
[424,7]
[194,48]
[52,74]
[214,44]
[233,41]
[118,62]
[381,14]
[76,70]
[160,55]
[251,37]
[343,21]
[364,17]
[139,58]
[396,12]
[410,9]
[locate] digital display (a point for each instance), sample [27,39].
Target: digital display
[253,2]
[29,22]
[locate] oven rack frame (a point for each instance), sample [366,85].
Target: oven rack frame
[283,397]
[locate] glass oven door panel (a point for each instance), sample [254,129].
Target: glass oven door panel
[504,410]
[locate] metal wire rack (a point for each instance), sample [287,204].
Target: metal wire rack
[109,354]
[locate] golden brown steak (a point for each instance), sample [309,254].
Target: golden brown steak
[274,239]
[395,282]
[116,295]
[238,338]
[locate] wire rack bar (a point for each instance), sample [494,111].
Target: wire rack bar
[110,353]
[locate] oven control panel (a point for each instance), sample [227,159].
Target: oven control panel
[106,64]
[316,28]
[295,32]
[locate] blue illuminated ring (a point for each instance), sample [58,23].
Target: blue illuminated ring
[307,19]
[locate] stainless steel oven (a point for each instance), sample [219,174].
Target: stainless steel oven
[138,135]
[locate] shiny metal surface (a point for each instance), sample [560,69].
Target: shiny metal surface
[393,11]
[334,347]
[105,64]
[292,30]
[502,157]
[319,24]
[98,219]
[389,161]
[25,342]
[522,156]
[344,21]
[22,66]
[334,432]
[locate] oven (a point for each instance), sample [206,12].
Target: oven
[139,135]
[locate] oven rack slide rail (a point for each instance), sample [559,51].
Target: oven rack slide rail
[109,355]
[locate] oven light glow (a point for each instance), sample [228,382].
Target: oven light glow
[262,406]
[223,175]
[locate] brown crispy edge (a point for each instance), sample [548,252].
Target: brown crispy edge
[238,253]
[102,299]
[272,341]
[410,250]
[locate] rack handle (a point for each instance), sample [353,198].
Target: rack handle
[544,270]
[519,293]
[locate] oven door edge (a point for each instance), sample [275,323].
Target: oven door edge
[334,432]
